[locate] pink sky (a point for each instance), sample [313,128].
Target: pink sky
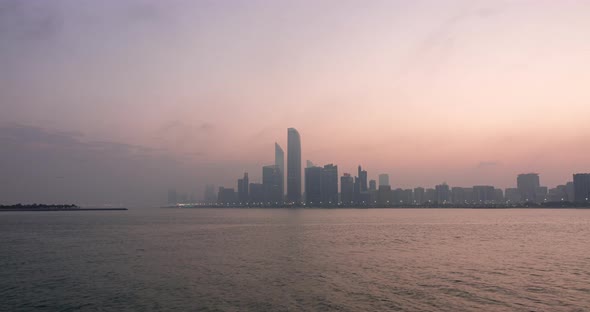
[467,92]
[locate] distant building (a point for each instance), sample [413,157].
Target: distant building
[569,189]
[329,185]
[582,187]
[384,196]
[256,193]
[499,195]
[313,186]
[557,194]
[383,179]
[271,182]
[443,193]
[483,194]
[430,195]
[541,194]
[293,166]
[347,189]
[280,163]
[458,195]
[226,196]
[527,185]
[419,198]
[243,187]
[407,197]
[363,180]
[512,195]
[209,195]
[372,185]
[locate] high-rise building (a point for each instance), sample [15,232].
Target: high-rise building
[226,196]
[483,194]
[313,186]
[527,184]
[419,195]
[569,189]
[582,187]
[346,189]
[512,195]
[383,179]
[372,185]
[541,194]
[329,181]
[499,196]
[293,166]
[243,187]
[271,182]
[256,193]
[280,163]
[430,195]
[384,196]
[210,196]
[458,195]
[443,193]
[363,187]
[557,194]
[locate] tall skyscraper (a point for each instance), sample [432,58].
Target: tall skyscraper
[243,187]
[329,182]
[363,187]
[443,193]
[271,183]
[280,163]
[313,186]
[582,187]
[293,166]
[419,195]
[346,189]
[527,185]
[383,179]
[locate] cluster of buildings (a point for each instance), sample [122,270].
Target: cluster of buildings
[322,188]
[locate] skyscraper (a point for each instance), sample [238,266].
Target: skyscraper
[280,163]
[527,185]
[443,193]
[293,166]
[383,179]
[346,189]
[271,183]
[313,186]
[329,182]
[243,186]
[582,187]
[363,187]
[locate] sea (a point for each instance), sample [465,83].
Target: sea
[181,259]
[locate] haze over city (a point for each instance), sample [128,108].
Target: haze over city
[115,102]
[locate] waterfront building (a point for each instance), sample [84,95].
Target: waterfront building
[582,187]
[293,166]
[527,185]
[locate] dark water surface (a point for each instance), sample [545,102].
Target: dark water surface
[278,260]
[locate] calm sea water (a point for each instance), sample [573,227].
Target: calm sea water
[292,260]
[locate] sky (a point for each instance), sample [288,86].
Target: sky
[118,101]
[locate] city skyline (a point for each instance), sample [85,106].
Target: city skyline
[321,188]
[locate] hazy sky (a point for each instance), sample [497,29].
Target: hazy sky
[116,101]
